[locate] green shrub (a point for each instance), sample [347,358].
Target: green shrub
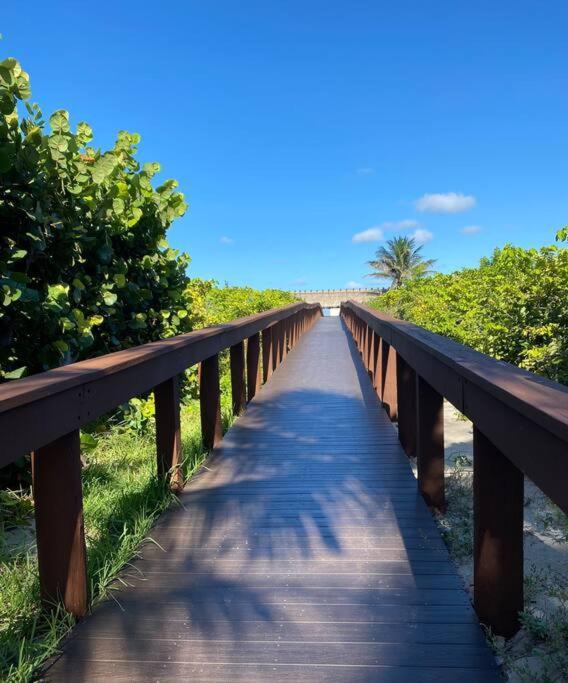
[84,264]
[228,303]
[513,306]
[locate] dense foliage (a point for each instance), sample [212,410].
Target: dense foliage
[513,306]
[228,303]
[84,264]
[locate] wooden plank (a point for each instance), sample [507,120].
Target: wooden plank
[58,506]
[168,433]
[305,672]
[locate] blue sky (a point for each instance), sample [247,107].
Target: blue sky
[293,126]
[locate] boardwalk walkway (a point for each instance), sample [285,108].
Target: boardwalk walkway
[302,553]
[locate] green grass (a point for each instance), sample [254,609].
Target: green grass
[122,497]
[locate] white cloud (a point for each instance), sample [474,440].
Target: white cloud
[226,240]
[450,202]
[353,285]
[300,282]
[471,229]
[377,232]
[365,170]
[422,236]
[370,235]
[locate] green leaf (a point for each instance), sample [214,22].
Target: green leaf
[16,374]
[109,298]
[61,346]
[59,121]
[88,442]
[118,206]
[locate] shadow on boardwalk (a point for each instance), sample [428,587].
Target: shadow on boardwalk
[300,551]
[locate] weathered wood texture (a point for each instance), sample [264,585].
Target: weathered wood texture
[302,552]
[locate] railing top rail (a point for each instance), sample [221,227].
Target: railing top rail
[523,414]
[37,409]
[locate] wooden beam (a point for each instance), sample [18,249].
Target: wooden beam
[168,433]
[267,353]
[498,537]
[238,387]
[430,444]
[58,503]
[253,366]
[406,395]
[210,400]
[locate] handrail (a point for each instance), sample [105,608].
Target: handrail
[74,395]
[520,427]
[42,414]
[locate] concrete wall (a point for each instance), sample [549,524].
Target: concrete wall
[332,298]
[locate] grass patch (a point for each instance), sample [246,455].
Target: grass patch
[122,497]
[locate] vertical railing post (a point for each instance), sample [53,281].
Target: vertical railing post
[406,394]
[238,387]
[430,443]
[378,366]
[498,537]
[286,337]
[253,367]
[58,502]
[388,375]
[210,402]
[371,353]
[267,353]
[168,436]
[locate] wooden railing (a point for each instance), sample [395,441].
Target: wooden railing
[43,414]
[520,427]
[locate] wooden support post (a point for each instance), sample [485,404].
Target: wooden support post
[388,394]
[371,353]
[168,435]
[498,537]
[210,400]
[238,387]
[267,353]
[281,341]
[253,368]
[58,501]
[378,365]
[285,337]
[406,394]
[430,443]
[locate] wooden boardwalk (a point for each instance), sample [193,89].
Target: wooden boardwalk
[302,552]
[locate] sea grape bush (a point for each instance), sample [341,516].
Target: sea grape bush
[85,267]
[228,303]
[513,306]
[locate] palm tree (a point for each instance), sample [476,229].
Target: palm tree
[400,260]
